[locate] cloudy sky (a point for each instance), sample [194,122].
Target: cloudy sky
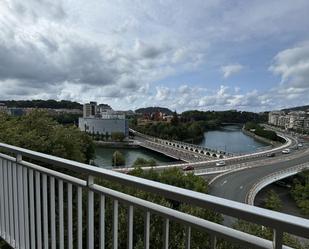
[197,54]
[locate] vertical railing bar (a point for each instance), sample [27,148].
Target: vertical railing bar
[60,205]
[45,212]
[102,222]
[31,207]
[90,214]
[6,203]
[213,241]
[80,217]
[20,202]
[26,202]
[1,200]
[38,209]
[70,217]
[277,239]
[130,226]
[11,208]
[52,213]
[188,237]
[115,225]
[147,230]
[166,233]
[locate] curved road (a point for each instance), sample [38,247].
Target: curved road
[236,185]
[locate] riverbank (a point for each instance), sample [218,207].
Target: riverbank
[259,138]
[119,145]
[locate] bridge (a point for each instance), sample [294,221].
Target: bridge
[42,206]
[178,150]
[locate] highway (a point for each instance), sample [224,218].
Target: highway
[236,185]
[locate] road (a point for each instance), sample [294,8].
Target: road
[236,185]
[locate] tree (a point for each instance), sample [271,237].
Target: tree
[273,201]
[39,132]
[118,136]
[175,120]
[118,159]
[141,162]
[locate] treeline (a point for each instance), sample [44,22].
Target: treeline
[300,192]
[39,103]
[39,132]
[224,116]
[260,131]
[180,131]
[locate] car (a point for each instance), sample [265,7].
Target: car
[220,163]
[300,145]
[271,155]
[286,151]
[187,168]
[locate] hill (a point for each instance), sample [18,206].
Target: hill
[298,108]
[149,110]
[39,103]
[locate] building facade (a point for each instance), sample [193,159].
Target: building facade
[101,119]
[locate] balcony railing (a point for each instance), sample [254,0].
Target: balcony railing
[41,206]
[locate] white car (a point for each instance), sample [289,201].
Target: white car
[300,145]
[220,163]
[286,151]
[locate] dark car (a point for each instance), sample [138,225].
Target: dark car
[189,167]
[271,155]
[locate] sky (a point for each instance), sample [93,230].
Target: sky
[206,55]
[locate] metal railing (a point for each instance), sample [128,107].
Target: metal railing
[42,207]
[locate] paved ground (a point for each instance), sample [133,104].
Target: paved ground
[235,186]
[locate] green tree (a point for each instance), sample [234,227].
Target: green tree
[118,136]
[273,201]
[118,159]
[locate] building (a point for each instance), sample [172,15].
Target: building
[103,126]
[90,110]
[294,120]
[101,119]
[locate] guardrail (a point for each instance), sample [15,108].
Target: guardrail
[36,207]
[276,176]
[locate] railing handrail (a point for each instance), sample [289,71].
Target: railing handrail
[283,222]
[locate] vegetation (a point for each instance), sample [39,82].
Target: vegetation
[300,192]
[149,110]
[67,118]
[141,162]
[267,233]
[177,231]
[118,136]
[273,201]
[260,131]
[191,125]
[118,159]
[39,103]
[220,117]
[39,132]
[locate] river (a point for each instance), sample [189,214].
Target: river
[229,138]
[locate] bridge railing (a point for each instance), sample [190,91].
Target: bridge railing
[41,206]
[276,176]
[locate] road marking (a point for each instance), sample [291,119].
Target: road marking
[223,182]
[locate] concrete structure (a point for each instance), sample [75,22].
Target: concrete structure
[103,126]
[3,107]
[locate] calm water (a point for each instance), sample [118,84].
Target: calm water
[231,139]
[104,156]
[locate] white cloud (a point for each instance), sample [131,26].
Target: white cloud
[231,69]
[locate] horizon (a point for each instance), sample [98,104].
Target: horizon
[214,55]
[164,107]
